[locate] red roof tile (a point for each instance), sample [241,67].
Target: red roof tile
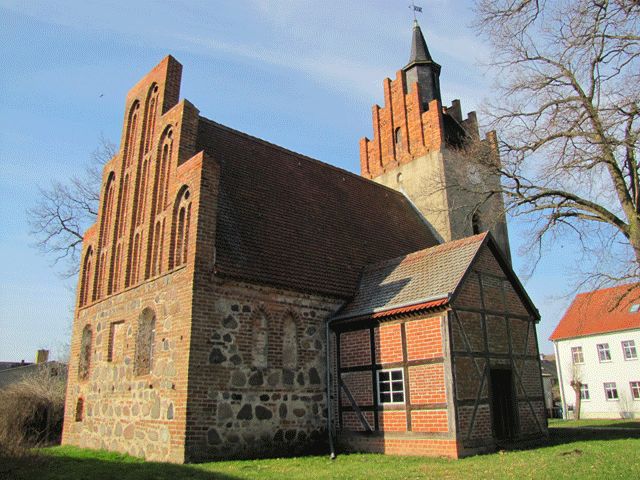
[289,220]
[600,311]
[419,278]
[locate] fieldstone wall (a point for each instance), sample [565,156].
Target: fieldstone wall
[257,372]
[143,415]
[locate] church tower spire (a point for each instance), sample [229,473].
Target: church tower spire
[420,147]
[422,69]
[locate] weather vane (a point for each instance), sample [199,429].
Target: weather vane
[414,8]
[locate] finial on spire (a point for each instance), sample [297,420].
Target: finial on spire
[414,8]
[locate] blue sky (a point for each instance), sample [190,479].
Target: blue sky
[302,74]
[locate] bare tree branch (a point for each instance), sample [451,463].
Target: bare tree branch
[65,210]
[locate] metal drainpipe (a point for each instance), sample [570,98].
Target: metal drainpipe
[332,447]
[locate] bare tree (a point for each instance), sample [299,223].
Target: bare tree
[65,210]
[568,119]
[576,384]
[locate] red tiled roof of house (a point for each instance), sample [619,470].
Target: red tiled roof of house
[289,220]
[600,311]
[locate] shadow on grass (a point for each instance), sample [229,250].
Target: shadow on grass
[90,465]
[558,436]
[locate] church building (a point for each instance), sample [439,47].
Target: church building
[238,299]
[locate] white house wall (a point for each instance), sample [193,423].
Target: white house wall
[595,373]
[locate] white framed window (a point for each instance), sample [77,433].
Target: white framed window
[576,355]
[584,392]
[629,350]
[604,355]
[611,391]
[391,386]
[635,390]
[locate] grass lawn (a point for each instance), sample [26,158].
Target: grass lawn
[571,454]
[560,423]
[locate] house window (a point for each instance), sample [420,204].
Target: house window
[629,350]
[144,342]
[611,391]
[576,355]
[584,392]
[634,308]
[635,390]
[391,386]
[604,355]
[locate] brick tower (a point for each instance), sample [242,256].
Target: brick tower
[426,151]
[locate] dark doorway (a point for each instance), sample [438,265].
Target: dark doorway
[503,404]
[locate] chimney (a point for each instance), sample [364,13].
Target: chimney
[42,356]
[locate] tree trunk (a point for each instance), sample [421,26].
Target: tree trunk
[576,409]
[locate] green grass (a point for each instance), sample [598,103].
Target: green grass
[560,423]
[578,453]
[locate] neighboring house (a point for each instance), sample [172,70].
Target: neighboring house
[550,384]
[597,344]
[14,372]
[226,279]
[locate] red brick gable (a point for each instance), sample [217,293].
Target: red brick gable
[600,311]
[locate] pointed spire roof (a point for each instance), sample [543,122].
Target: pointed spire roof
[419,50]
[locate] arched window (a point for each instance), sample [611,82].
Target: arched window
[132,132]
[150,116]
[79,410]
[476,226]
[182,221]
[86,276]
[260,335]
[289,342]
[145,342]
[398,137]
[84,362]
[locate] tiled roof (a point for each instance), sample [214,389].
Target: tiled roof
[426,277]
[289,220]
[600,311]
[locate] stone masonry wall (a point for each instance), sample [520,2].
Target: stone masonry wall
[257,373]
[140,415]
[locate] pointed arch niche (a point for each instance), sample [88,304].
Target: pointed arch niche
[289,341]
[180,230]
[260,338]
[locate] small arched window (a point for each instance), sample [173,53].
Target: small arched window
[476,226]
[260,339]
[145,342]
[289,342]
[132,133]
[84,362]
[79,417]
[182,221]
[85,281]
